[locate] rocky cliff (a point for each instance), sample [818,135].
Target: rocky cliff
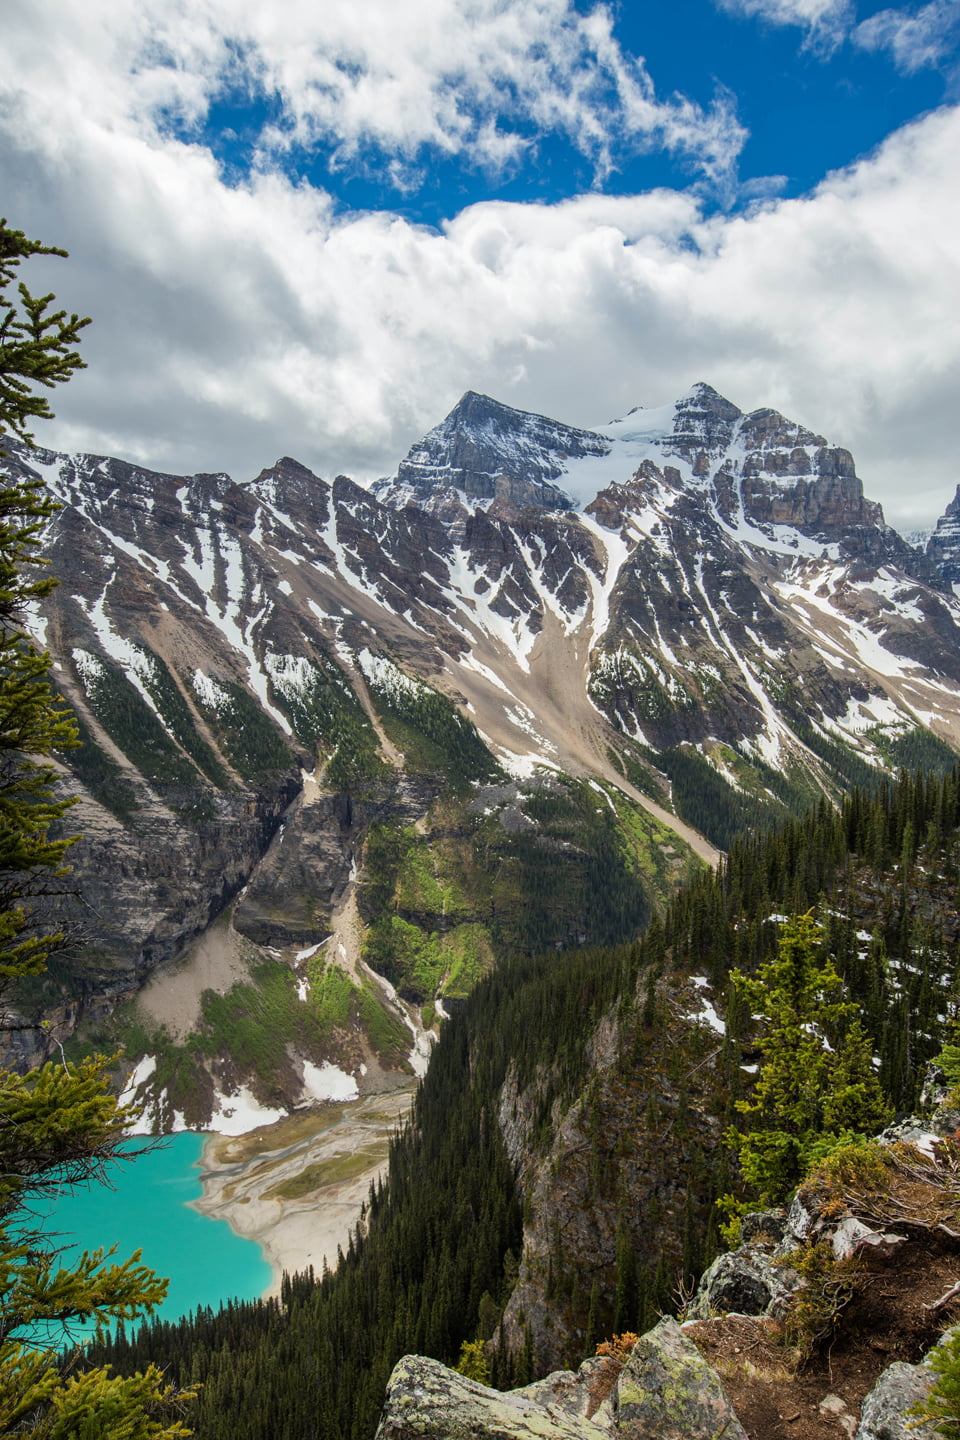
[943,546]
[281,680]
[820,1324]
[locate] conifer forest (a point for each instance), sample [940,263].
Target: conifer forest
[433,1261]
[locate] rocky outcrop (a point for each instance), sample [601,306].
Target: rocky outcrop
[147,888]
[887,1410]
[289,899]
[666,1391]
[751,1280]
[943,546]
[426,1401]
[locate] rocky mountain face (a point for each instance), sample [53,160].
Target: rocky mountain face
[392,717]
[490,451]
[943,546]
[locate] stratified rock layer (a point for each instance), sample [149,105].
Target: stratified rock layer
[943,547]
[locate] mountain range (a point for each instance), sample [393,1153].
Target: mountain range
[289,690]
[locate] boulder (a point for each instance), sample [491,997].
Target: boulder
[426,1401]
[852,1237]
[667,1391]
[758,1226]
[885,1414]
[752,1280]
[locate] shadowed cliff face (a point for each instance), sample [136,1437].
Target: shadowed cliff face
[728,615]
[943,547]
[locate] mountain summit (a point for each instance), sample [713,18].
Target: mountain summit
[491,451]
[757,470]
[725,630]
[943,546]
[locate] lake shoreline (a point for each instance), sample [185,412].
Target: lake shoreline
[297,1188]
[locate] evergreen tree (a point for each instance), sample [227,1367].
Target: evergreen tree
[816,1078]
[59,1126]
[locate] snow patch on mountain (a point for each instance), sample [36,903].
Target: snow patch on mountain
[617,552]
[208,692]
[292,676]
[468,586]
[383,675]
[328,1082]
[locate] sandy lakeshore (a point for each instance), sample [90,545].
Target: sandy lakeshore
[296,1187]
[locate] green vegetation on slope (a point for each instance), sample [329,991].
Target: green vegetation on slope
[437,1254]
[244,732]
[431,732]
[545,864]
[246,1032]
[326,716]
[102,776]
[133,726]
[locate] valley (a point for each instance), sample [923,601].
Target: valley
[274,676]
[486,778]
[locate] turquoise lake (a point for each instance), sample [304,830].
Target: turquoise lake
[147,1209]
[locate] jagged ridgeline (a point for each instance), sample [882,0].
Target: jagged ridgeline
[487,719]
[557,1177]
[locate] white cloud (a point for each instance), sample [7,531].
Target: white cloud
[235,324]
[826,21]
[915,39]
[381,78]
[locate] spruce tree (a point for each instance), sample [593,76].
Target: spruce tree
[817,1076]
[60,1125]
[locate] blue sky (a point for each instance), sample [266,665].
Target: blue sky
[807,104]
[808,101]
[307,227]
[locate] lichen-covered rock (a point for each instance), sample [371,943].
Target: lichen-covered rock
[913,1131]
[668,1392]
[759,1226]
[885,1414]
[730,1283]
[852,1237]
[751,1280]
[800,1223]
[426,1401]
[576,1392]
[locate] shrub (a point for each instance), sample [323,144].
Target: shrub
[831,1284]
[473,1362]
[942,1405]
[619,1346]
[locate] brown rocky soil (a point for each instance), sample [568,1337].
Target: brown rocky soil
[778,1399]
